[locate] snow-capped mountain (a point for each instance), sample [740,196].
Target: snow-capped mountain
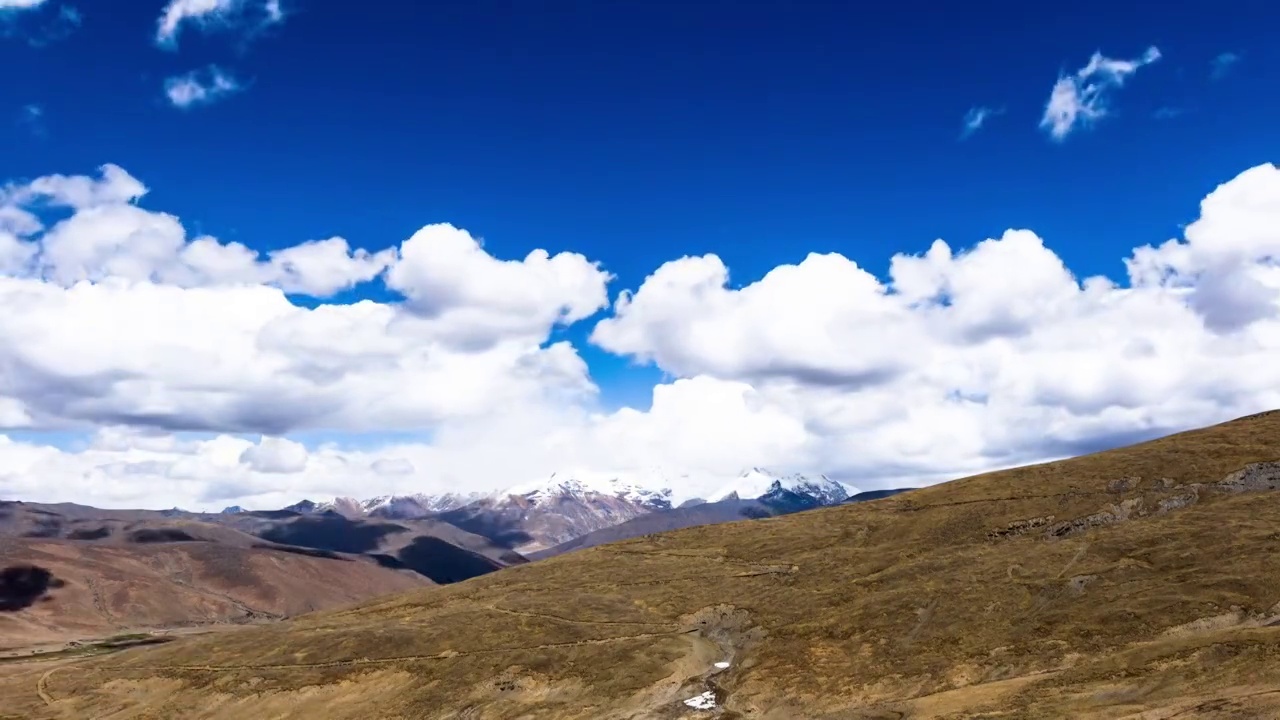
[547,512]
[541,514]
[404,507]
[649,495]
[763,485]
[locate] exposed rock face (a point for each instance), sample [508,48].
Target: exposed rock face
[528,523]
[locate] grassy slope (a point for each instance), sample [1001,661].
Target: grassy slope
[919,605]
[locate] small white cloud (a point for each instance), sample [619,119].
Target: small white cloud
[976,118]
[200,87]
[6,5]
[209,14]
[1082,98]
[1221,65]
[179,12]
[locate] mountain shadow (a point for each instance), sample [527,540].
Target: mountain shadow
[309,552]
[442,561]
[270,514]
[504,530]
[160,535]
[21,586]
[330,531]
[89,533]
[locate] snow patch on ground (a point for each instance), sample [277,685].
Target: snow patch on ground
[722,665]
[705,701]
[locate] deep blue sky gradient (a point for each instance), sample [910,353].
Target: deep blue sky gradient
[638,132]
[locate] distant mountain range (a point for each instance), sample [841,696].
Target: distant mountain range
[777,500]
[246,565]
[536,517]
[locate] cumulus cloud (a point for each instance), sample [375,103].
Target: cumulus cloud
[449,280]
[993,354]
[960,359]
[976,118]
[209,15]
[196,334]
[200,87]
[1084,97]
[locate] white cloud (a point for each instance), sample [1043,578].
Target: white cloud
[20,4]
[213,14]
[200,87]
[185,333]
[969,359]
[275,456]
[1221,65]
[976,118]
[450,280]
[1083,98]
[960,360]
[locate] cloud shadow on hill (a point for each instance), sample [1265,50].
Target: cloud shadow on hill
[22,586]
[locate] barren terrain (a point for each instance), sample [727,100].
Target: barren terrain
[1135,583]
[57,590]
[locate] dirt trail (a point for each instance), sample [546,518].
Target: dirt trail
[42,685]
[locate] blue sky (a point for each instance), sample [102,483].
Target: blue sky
[636,133]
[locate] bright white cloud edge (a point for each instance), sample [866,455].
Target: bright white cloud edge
[200,87]
[205,14]
[20,4]
[957,362]
[1083,98]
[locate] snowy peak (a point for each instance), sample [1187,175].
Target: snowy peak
[761,484]
[648,491]
[418,505]
[560,487]
[347,506]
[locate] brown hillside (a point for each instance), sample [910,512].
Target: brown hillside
[53,590]
[1140,583]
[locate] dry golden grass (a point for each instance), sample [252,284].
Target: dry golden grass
[1123,584]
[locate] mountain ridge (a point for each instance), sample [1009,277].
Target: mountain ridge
[537,516]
